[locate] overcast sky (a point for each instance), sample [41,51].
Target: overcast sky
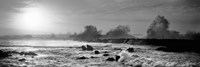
[62,16]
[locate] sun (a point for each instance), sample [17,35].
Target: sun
[33,19]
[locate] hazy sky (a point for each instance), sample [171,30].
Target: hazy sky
[62,16]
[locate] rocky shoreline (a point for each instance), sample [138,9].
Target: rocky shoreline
[97,56]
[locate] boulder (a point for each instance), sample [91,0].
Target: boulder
[135,56]
[96,52]
[22,53]
[22,60]
[110,59]
[117,49]
[117,57]
[4,54]
[138,65]
[89,48]
[93,57]
[30,53]
[105,52]
[83,48]
[130,50]
[106,55]
[79,58]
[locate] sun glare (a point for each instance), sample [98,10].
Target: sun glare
[33,19]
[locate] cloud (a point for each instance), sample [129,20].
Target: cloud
[192,3]
[7,8]
[10,5]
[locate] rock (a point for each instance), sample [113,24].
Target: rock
[13,52]
[30,53]
[105,52]
[110,59]
[83,48]
[3,65]
[135,56]
[93,57]
[22,53]
[106,55]
[22,60]
[138,65]
[160,66]
[130,50]
[96,52]
[117,57]
[90,48]
[87,47]
[117,49]
[4,54]
[82,58]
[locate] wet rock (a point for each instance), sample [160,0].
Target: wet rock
[105,52]
[87,47]
[96,52]
[135,56]
[160,66]
[22,60]
[93,57]
[83,48]
[13,52]
[110,59]
[117,49]
[22,53]
[31,53]
[106,55]
[117,57]
[138,65]
[4,54]
[130,50]
[79,58]
[28,53]
[90,48]
[3,65]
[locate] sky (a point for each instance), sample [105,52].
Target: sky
[63,16]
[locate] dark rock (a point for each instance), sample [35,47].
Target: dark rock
[105,52]
[22,60]
[107,46]
[135,56]
[79,58]
[90,48]
[117,49]
[87,47]
[22,53]
[93,57]
[117,57]
[83,48]
[160,66]
[138,65]
[13,52]
[106,55]
[4,54]
[30,53]
[130,50]
[96,52]
[110,59]
[3,65]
